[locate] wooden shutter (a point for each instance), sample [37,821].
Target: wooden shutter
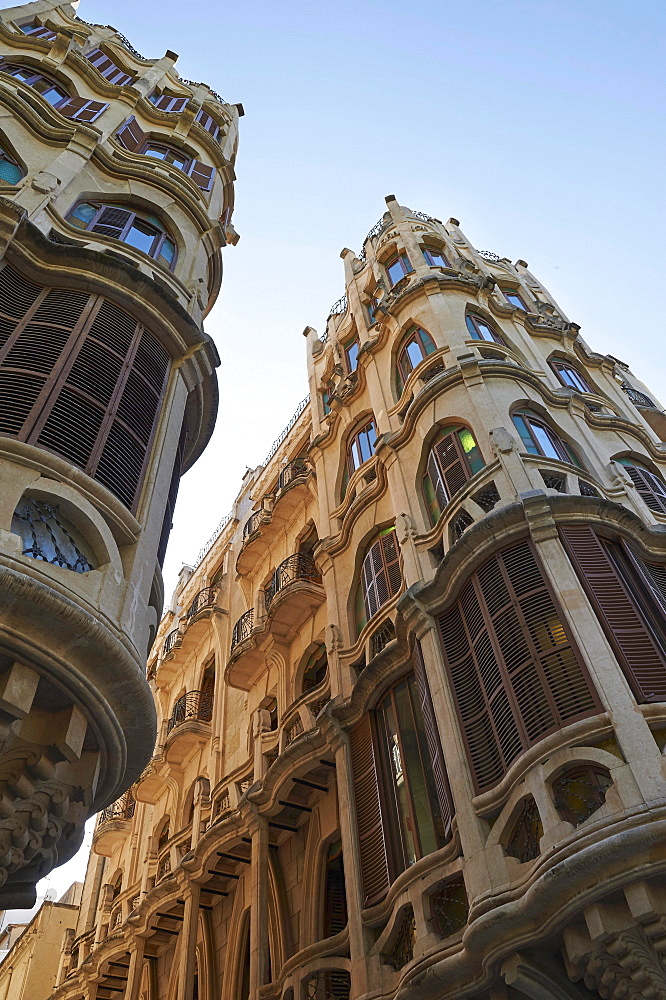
[639,655]
[335,896]
[131,135]
[380,573]
[433,741]
[649,487]
[201,174]
[39,31]
[208,122]
[108,68]
[112,222]
[172,104]
[437,481]
[452,462]
[82,110]
[372,845]
[514,673]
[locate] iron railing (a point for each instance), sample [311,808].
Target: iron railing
[213,538]
[339,307]
[243,628]
[639,398]
[252,524]
[197,705]
[294,470]
[198,83]
[122,808]
[489,255]
[378,228]
[297,567]
[278,441]
[171,640]
[204,599]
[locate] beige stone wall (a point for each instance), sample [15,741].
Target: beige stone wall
[30,968]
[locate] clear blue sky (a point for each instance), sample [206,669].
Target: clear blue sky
[537,124]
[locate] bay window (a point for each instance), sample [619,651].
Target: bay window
[144,233]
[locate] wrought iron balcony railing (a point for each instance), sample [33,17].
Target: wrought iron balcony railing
[299,467]
[639,398]
[242,628]
[197,705]
[204,599]
[122,808]
[296,567]
[171,640]
[252,524]
[339,307]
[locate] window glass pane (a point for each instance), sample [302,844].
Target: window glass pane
[485,331]
[431,500]
[414,353]
[141,236]
[427,342]
[10,172]
[83,215]
[364,443]
[167,252]
[355,454]
[471,449]
[396,770]
[23,74]
[395,271]
[515,299]
[352,355]
[177,159]
[525,435]
[52,94]
[544,441]
[159,154]
[372,436]
[419,777]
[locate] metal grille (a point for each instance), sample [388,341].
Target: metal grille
[339,307]
[293,568]
[197,705]
[433,372]
[48,536]
[526,834]
[460,524]
[586,490]
[378,228]
[294,470]
[487,498]
[554,481]
[204,599]
[489,255]
[449,907]
[328,984]
[382,636]
[579,792]
[242,628]
[637,397]
[402,951]
[122,808]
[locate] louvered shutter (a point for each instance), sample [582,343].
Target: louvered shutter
[172,104]
[335,898]
[380,573]
[372,845]
[368,579]
[433,741]
[638,653]
[39,31]
[513,670]
[208,122]
[452,464]
[82,110]
[649,487]
[391,563]
[108,68]
[437,482]
[131,135]
[112,222]
[201,174]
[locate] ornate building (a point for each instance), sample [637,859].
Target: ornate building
[115,199]
[412,698]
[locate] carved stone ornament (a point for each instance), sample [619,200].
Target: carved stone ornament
[627,967]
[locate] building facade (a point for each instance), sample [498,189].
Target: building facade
[116,193]
[412,697]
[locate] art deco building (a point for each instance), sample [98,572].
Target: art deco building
[412,698]
[115,199]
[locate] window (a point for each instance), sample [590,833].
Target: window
[108,68]
[372,306]
[418,346]
[10,172]
[526,834]
[49,536]
[70,107]
[397,267]
[514,299]
[208,122]
[435,257]
[454,457]
[361,447]
[335,896]
[514,672]
[145,233]
[133,138]
[580,791]
[480,329]
[540,439]
[164,835]
[381,578]
[326,402]
[316,668]
[351,349]
[404,809]
[649,486]
[37,30]
[568,375]
[167,102]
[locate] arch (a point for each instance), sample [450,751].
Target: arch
[450,457]
[312,668]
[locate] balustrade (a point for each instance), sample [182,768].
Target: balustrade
[197,705]
[297,567]
[242,628]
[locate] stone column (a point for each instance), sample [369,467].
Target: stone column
[188,943]
[135,969]
[258,828]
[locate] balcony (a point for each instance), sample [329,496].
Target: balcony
[173,641]
[649,410]
[293,594]
[114,823]
[296,567]
[242,628]
[188,726]
[204,601]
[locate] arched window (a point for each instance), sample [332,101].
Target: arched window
[539,438]
[10,171]
[381,578]
[403,804]
[649,486]
[434,257]
[480,329]
[164,835]
[117,886]
[334,910]
[568,375]
[133,138]
[71,107]
[360,448]
[514,672]
[416,347]
[49,536]
[453,458]
[316,668]
[580,791]
[144,232]
[397,267]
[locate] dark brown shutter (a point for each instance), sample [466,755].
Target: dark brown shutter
[131,135]
[627,631]
[172,104]
[433,741]
[82,110]
[513,670]
[112,222]
[452,463]
[372,846]
[201,174]
[649,487]
[108,68]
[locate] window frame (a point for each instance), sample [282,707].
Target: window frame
[400,258]
[415,334]
[514,293]
[156,97]
[474,322]
[355,437]
[560,367]
[563,451]
[133,216]
[351,357]
[428,251]
[434,464]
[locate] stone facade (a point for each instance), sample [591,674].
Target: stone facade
[412,698]
[116,194]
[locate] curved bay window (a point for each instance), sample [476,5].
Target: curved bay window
[143,232]
[403,803]
[649,486]
[133,138]
[568,375]
[514,672]
[540,439]
[480,329]
[454,458]
[381,578]
[397,267]
[50,537]
[415,349]
[56,95]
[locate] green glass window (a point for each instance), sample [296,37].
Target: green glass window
[9,169]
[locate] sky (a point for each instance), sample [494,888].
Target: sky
[534,122]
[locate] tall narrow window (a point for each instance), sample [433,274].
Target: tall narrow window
[335,896]
[381,577]
[568,375]
[361,447]
[316,668]
[397,267]
[416,347]
[480,329]
[539,438]
[351,349]
[513,669]
[453,458]
[649,486]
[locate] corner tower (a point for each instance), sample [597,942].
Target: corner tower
[116,195]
